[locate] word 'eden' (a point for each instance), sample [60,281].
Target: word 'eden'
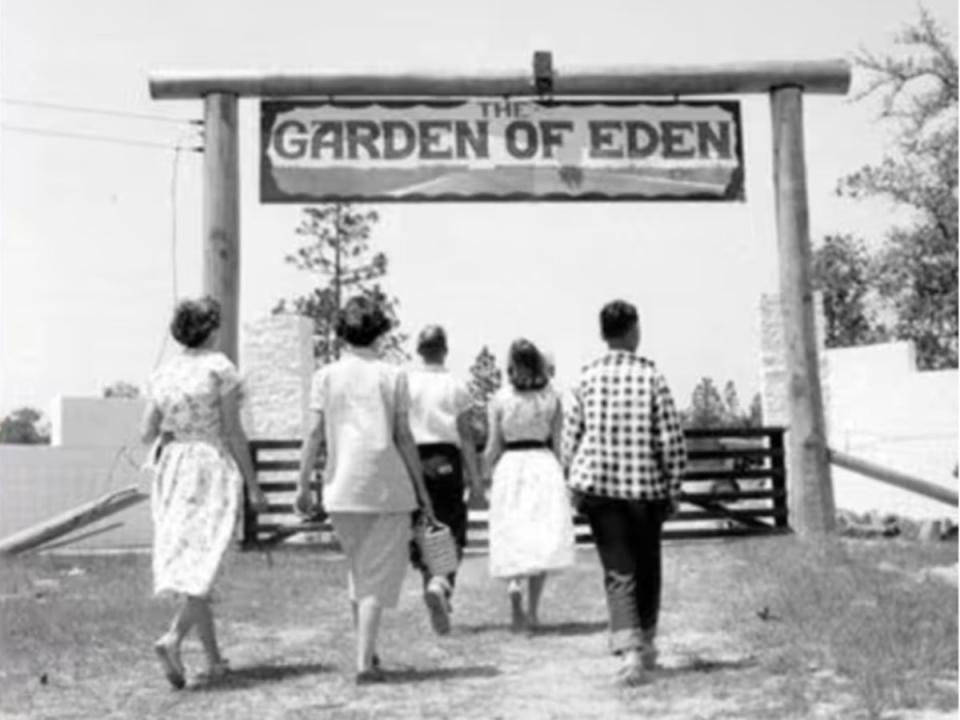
[522,139]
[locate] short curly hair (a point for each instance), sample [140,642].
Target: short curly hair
[526,367]
[361,321]
[195,320]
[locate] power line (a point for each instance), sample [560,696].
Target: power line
[173,221]
[173,238]
[100,111]
[95,138]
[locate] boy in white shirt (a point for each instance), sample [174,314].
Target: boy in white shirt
[440,421]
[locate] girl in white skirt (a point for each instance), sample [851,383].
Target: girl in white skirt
[531,523]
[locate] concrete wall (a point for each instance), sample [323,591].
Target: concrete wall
[885,411]
[96,422]
[879,408]
[39,482]
[277,364]
[773,359]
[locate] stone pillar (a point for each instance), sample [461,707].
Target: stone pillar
[775,396]
[277,367]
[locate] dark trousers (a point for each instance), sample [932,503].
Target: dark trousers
[443,476]
[627,535]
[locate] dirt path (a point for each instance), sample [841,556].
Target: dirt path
[561,676]
[482,671]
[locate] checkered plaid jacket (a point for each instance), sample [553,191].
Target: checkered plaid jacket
[621,435]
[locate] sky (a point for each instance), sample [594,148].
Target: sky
[89,231]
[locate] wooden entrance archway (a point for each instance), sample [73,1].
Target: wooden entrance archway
[785,83]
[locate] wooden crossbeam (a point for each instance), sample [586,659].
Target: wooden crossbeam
[812,76]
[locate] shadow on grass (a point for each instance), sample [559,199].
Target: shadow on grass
[565,628]
[413,675]
[697,664]
[571,628]
[251,675]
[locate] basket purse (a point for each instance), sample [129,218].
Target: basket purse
[438,550]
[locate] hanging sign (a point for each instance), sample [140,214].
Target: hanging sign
[520,150]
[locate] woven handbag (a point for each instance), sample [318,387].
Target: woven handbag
[437,547]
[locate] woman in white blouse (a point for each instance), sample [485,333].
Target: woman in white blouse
[372,479]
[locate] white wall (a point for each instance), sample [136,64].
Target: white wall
[95,450]
[882,409]
[39,482]
[96,422]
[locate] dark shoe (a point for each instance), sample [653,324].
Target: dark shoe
[533,625]
[518,619]
[170,660]
[372,676]
[649,652]
[650,657]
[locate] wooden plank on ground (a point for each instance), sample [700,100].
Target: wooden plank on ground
[70,520]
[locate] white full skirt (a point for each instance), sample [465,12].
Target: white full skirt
[531,522]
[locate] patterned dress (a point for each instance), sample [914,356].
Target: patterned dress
[197,485]
[531,522]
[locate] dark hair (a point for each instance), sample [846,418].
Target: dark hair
[617,319]
[525,367]
[432,343]
[361,321]
[194,321]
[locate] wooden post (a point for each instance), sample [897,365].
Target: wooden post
[778,484]
[221,215]
[808,476]
[248,535]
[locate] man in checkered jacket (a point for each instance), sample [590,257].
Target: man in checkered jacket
[624,454]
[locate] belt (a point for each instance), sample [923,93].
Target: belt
[438,447]
[527,445]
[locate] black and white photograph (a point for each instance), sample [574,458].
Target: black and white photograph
[479,360]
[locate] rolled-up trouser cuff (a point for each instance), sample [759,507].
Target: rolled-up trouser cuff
[626,639]
[632,639]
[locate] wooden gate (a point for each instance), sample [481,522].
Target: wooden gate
[735,485]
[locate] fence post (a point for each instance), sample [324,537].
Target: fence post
[779,472]
[249,533]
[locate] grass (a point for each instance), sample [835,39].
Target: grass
[764,628]
[865,611]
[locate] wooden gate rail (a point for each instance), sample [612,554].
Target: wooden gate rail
[735,485]
[893,477]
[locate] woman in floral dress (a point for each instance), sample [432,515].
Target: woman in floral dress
[200,460]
